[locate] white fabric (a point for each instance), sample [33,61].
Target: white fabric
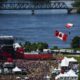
[16,45]
[61,75]
[26,78]
[69,74]
[17,77]
[72,60]
[61,36]
[0,70]
[16,69]
[64,62]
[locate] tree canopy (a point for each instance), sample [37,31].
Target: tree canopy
[34,46]
[77,5]
[75,42]
[3,0]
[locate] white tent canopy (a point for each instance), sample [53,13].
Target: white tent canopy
[16,69]
[61,75]
[18,77]
[69,74]
[72,60]
[64,62]
[26,78]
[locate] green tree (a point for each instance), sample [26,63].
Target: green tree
[77,5]
[40,2]
[34,46]
[42,46]
[2,1]
[75,42]
[27,46]
[55,47]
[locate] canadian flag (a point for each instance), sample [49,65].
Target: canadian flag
[61,35]
[69,25]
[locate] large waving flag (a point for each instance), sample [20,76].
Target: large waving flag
[61,35]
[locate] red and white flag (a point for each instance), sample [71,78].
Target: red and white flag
[61,35]
[69,25]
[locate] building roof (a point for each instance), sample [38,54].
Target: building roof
[6,37]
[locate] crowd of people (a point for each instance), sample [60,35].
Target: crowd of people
[36,69]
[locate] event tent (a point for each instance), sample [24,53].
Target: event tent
[70,75]
[72,60]
[16,69]
[65,61]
